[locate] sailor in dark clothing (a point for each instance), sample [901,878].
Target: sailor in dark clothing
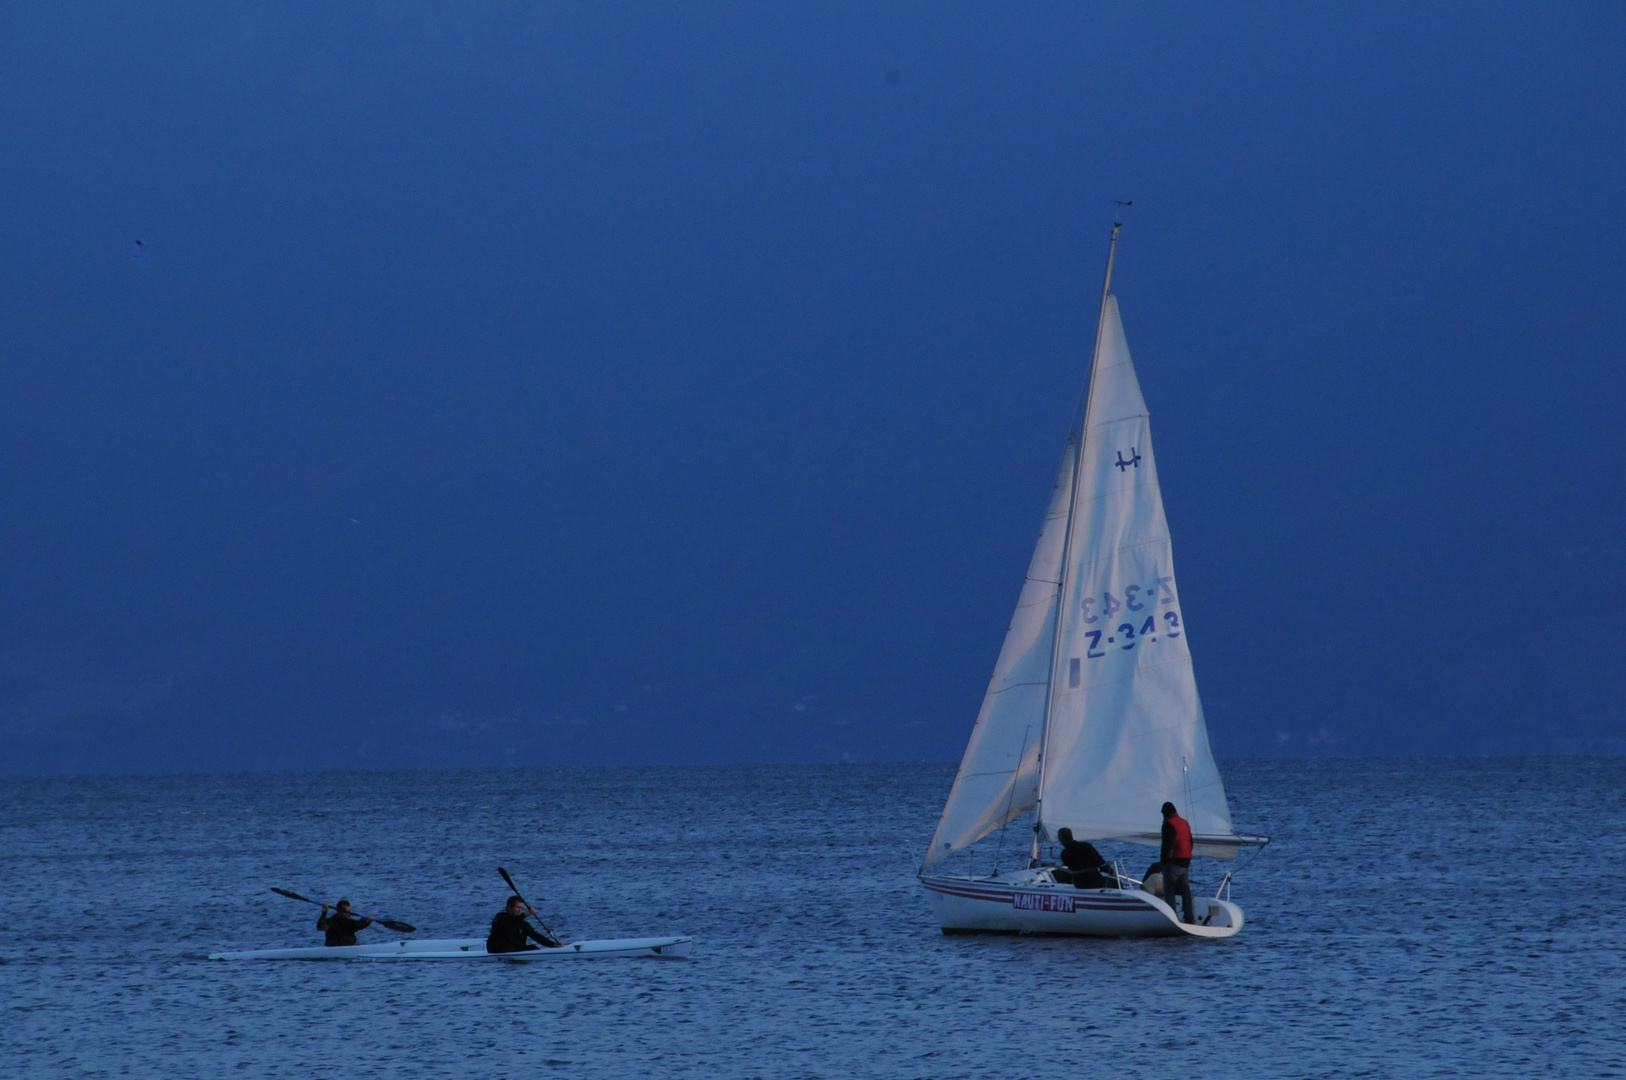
[341,926]
[1176,859]
[509,930]
[1084,864]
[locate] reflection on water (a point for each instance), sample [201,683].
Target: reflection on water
[1413,918]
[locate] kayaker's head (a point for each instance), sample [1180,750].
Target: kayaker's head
[343,907]
[516,906]
[1065,835]
[1168,809]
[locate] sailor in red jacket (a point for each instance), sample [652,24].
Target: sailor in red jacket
[1177,859]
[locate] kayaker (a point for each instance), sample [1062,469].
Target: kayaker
[509,930]
[1177,859]
[341,926]
[1084,864]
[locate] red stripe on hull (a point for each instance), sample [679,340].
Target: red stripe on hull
[1097,903]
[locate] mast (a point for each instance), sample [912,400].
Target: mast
[1067,542]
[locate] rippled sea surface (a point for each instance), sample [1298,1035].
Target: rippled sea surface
[1412,918]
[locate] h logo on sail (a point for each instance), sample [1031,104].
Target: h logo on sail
[1134,459]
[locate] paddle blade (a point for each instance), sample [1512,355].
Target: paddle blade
[508,879]
[290,894]
[398,926]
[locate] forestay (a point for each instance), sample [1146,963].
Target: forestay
[1125,730]
[998,777]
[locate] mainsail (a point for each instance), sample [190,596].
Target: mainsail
[998,778]
[1092,716]
[1125,729]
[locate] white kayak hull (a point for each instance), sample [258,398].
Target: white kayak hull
[664,948]
[1028,903]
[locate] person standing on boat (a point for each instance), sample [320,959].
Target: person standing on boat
[1177,860]
[1084,864]
[509,930]
[341,926]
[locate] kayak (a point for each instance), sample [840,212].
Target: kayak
[475,949]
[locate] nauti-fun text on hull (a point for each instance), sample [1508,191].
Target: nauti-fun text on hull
[1091,720]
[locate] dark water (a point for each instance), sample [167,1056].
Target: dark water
[1414,918]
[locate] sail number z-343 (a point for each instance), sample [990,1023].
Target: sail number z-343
[1135,599]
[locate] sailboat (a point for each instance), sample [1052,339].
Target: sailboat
[1091,720]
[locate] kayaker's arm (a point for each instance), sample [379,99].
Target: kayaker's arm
[540,938]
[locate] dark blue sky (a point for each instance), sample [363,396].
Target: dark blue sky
[631,383]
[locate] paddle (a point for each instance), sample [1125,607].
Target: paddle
[394,924]
[526,902]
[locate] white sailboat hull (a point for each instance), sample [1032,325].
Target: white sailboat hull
[1019,904]
[475,949]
